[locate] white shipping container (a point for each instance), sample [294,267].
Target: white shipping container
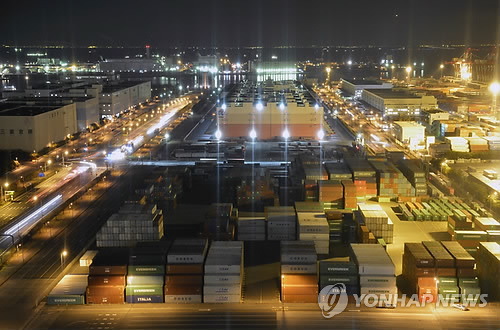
[222,298]
[222,289]
[183,299]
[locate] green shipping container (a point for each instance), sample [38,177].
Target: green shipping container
[468,282]
[66,300]
[146,270]
[448,281]
[144,290]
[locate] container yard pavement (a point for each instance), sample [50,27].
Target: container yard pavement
[253,316]
[411,231]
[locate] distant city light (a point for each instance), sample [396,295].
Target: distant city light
[224,106]
[408,69]
[167,136]
[495,88]
[349,62]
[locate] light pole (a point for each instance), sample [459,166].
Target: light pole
[495,89]
[441,67]
[63,257]
[408,70]
[64,154]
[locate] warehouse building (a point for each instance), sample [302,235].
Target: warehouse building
[356,87]
[398,103]
[260,111]
[409,132]
[118,97]
[32,128]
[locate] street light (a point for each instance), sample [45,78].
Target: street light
[441,67]
[286,134]
[218,134]
[320,134]
[63,257]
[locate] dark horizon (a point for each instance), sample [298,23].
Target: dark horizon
[255,24]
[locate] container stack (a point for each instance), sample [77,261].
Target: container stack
[445,270]
[414,172]
[145,276]
[490,226]
[223,273]
[281,223]
[69,291]
[419,270]
[477,144]
[314,227]
[133,223]
[219,222]
[254,193]
[377,221]
[339,270]
[470,239]
[251,228]
[335,225]
[488,266]
[332,192]
[310,190]
[184,271]
[493,142]
[464,262]
[106,281]
[299,280]
[376,269]
[391,182]
[458,144]
[338,172]
[364,178]
[350,195]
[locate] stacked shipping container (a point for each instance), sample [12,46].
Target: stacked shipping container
[281,223]
[314,227]
[223,273]
[299,280]
[184,271]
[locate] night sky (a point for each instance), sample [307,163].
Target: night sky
[249,23]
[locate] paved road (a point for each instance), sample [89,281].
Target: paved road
[27,285]
[253,316]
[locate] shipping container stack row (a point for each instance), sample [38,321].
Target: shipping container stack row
[221,221]
[488,267]
[314,227]
[184,271]
[107,278]
[69,291]
[418,271]
[340,270]
[254,192]
[299,280]
[335,225]
[350,195]
[133,223]
[376,269]
[439,268]
[391,182]
[464,263]
[145,275]
[364,234]
[493,142]
[223,273]
[332,192]
[281,223]
[377,221]
[364,178]
[252,228]
[415,174]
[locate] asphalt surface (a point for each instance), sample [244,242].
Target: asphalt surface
[254,316]
[25,286]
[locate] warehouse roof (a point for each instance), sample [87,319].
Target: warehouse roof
[392,94]
[363,81]
[13,109]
